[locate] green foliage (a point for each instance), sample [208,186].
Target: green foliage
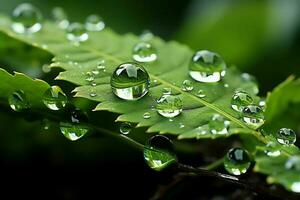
[169,71]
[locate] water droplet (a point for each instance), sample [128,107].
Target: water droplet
[125,128]
[202,130]
[146,35]
[74,129]
[101,67]
[167,91]
[207,67]
[295,187]
[76,33]
[130,81]
[154,83]
[95,72]
[286,136]
[146,115]
[18,101]
[240,100]
[93,94]
[293,163]
[26,19]
[218,125]
[201,94]
[46,68]
[54,98]
[272,150]
[93,84]
[181,125]
[237,161]
[226,85]
[249,78]
[169,105]
[46,124]
[90,77]
[262,104]
[144,52]
[94,23]
[187,86]
[253,116]
[60,17]
[159,153]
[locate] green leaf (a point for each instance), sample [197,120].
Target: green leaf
[170,70]
[33,88]
[282,106]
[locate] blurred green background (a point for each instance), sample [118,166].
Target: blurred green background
[261,37]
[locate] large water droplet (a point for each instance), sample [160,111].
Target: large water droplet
[130,81]
[272,150]
[237,161]
[169,105]
[26,19]
[253,116]
[74,129]
[144,52]
[240,100]
[76,33]
[187,86]
[60,17]
[286,136]
[218,125]
[94,23]
[207,67]
[158,153]
[54,98]
[18,101]
[125,128]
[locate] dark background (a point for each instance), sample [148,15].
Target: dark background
[259,37]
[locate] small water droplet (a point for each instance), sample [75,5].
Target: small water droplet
[218,125]
[154,83]
[93,84]
[167,91]
[146,115]
[226,85]
[159,153]
[125,128]
[272,150]
[45,124]
[76,33]
[144,52]
[187,86]
[95,72]
[207,67]
[202,130]
[286,136]
[93,94]
[237,161]
[46,68]
[201,94]
[18,101]
[169,105]
[293,163]
[74,129]
[90,78]
[26,19]
[181,125]
[60,17]
[130,81]
[54,98]
[101,67]
[240,100]
[253,116]
[94,23]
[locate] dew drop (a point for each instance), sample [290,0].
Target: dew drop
[93,94]
[60,17]
[144,52]
[218,125]
[90,78]
[130,81]
[146,115]
[181,125]
[272,150]
[46,68]
[167,91]
[237,161]
[93,84]
[159,153]
[94,23]
[169,105]
[54,98]
[45,124]
[146,35]
[187,86]
[286,136]
[201,94]
[253,116]
[76,33]
[240,100]
[74,129]
[207,67]
[26,19]
[125,128]
[293,163]
[95,72]
[18,101]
